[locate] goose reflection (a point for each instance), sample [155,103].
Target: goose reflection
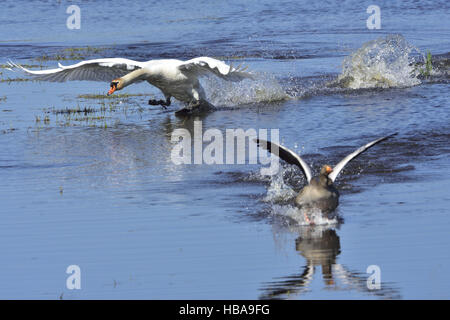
[320,246]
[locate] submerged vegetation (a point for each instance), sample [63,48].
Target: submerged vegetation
[77,110]
[99,115]
[70,116]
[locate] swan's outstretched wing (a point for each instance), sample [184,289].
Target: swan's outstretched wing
[287,155]
[95,70]
[353,155]
[203,65]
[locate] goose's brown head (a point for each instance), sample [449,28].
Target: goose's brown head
[116,84]
[326,170]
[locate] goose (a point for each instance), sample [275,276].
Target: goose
[175,78]
[320,191]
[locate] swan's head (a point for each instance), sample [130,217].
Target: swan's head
[326,170]
[116,84]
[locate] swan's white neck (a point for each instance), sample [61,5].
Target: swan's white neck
[132,77]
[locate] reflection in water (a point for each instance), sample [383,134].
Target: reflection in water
[126,154]
[320,246]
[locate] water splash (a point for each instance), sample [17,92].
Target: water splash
[265,88]
[386,62]
[280,195]
[382,63]
[278,190]
[297,216]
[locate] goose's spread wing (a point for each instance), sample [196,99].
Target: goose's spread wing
[95,70]
[287,155]
[203,65]
[353,155]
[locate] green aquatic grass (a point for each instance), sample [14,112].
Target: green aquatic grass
[426,71]
[428,64]
[98,113]
[80,53]
[78,116]
[9,80]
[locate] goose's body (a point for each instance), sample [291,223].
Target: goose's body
[175,78]
[320,191]
[317,194]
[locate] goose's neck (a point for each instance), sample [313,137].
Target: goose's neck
[133,76]
[324,180]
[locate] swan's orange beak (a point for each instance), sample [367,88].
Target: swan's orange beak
[111,91]
[329,169]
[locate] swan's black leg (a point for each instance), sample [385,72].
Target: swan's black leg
[166,103]
[154,102]
[162,103]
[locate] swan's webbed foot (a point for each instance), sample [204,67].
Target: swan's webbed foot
[164,104]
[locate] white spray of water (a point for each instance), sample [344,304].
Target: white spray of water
[279,193]
[382,63]
[265,88]
[315,215]
[387,62]
[278,190]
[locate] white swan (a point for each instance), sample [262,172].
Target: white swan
[175,78]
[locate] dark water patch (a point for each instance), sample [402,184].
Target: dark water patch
[9,130]
[29,166]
